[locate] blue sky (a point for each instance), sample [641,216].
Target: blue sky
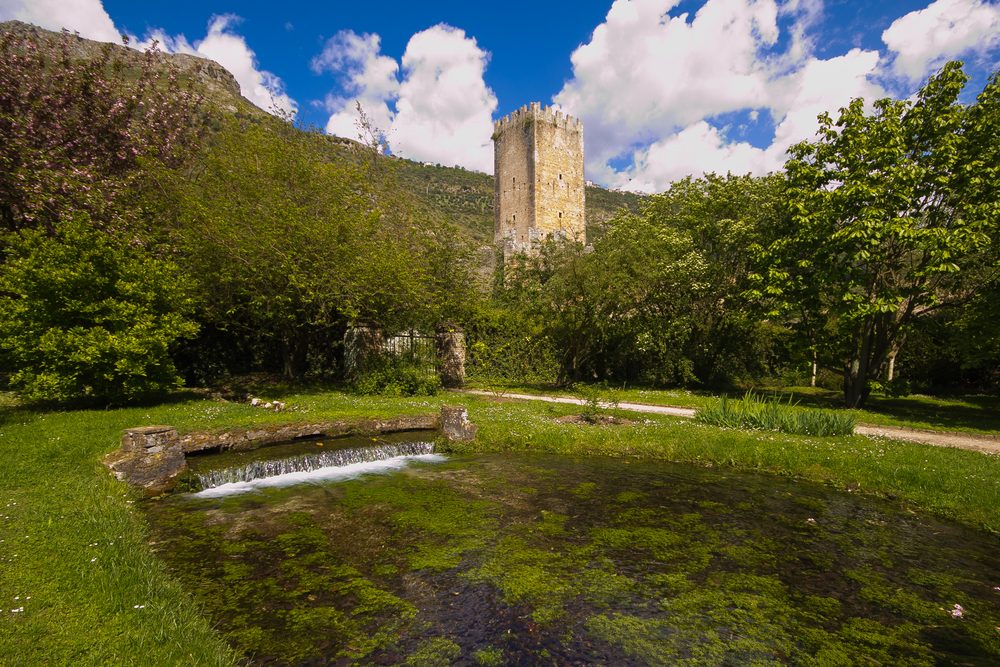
[665,88]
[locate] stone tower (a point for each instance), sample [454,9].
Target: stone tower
[538,164]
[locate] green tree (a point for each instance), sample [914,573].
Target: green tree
[291,236]
[888,209]
[84,316]
[722,221]
[660,298]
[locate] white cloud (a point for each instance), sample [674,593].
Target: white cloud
[645,73]
[648,83]
[444,112]
[438,109]
[697,149]
[86,17]
[923,40]
[796,101]
[368,78]
[230,50]
[819,86]
[221,44]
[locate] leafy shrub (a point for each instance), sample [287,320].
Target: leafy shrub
[507,347]
[594,405]
[84,316]
[895,388]
[392,376]
[756,412]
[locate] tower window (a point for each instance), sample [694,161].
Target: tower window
[560,214]
[560,177]
[513,180]
[515,217]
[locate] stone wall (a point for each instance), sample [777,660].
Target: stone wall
[539,184]
[152,458]
[514,204]
[559,182]
[450,344]
[363,344]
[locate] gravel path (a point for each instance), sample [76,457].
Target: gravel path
[979,443]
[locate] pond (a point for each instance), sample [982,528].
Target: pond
[534,560]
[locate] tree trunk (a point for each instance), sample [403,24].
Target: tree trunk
[855,384]
[289,356]
[812,376]
[873,343]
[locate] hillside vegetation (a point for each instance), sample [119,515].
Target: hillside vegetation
[466,198]
[462,197]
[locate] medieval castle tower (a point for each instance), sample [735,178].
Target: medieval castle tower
[538,165]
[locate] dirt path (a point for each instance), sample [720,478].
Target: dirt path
[979,443]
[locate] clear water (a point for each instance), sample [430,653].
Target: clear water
[553,560]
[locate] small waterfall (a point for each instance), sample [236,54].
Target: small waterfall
[305,463]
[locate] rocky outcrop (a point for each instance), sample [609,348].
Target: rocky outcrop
[216,81]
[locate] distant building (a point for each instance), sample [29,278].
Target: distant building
[538,160]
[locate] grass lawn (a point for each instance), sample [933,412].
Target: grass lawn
[76,556]
[966,413]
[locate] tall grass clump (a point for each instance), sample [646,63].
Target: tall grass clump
[770,414]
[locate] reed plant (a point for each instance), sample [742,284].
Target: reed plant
[754,411]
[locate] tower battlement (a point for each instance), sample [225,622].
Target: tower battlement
[536,112]
[538,165]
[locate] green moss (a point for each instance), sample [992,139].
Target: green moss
[670,584]
[882,644]
[552,523]
[628,496]
[711,505]
[878,590]
[489,657]
[748,619]
[758,553]
[436,652]
[527,575]
[440,524]
[310,606]
[683,541]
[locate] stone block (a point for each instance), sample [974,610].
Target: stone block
[455,424]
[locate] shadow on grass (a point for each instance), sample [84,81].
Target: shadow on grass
[974,411]
[270,386]
[977,412]
[12,407]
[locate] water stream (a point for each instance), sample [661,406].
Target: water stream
[543,560]
[312,462]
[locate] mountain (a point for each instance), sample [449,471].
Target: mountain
[212,79]
[462,196]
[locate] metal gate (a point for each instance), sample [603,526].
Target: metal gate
[415,348]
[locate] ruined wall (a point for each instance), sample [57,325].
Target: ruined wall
[539,191]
